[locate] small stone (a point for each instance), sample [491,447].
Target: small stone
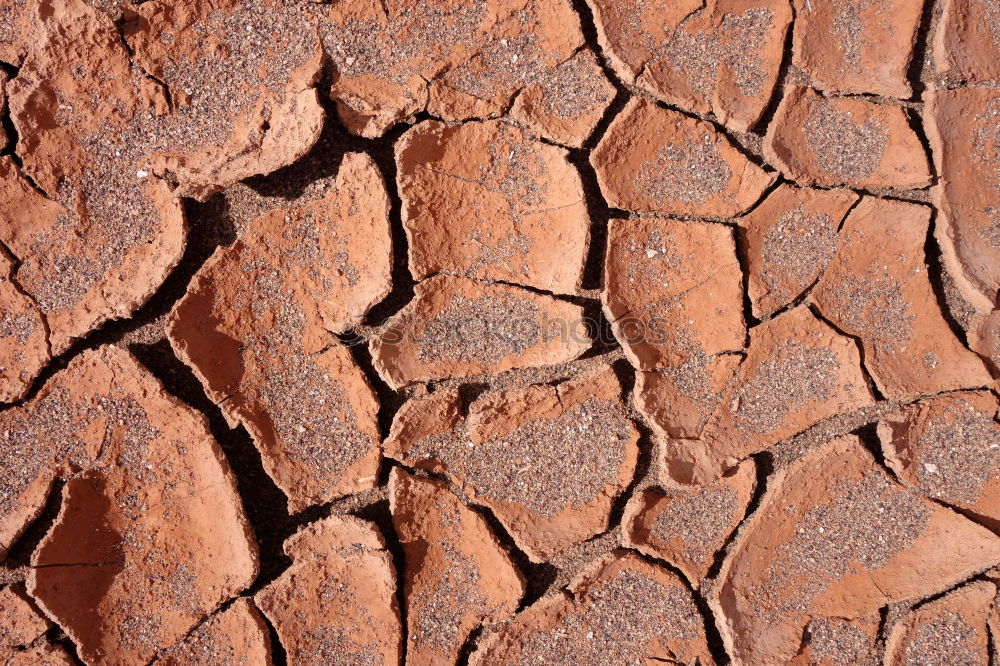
[949,630]
[483,200]
[850,46]
[678,401]
[688,527]
[660,161]
[237,635]
[877,288]
[457,575]
[722,56]
[116,570]
[567,102]
[967,41]
[336,603]
[788,241]
[683,302]
[549,461]
[620,610]
[948,448]
[816,140]
[880,544]
[456,327]
[797,372]
[962,128]
[257,324]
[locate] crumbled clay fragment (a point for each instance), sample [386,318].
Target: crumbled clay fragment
[832,141]
[852,46]
[484,201]
[838,641]
[678,401]
[949,630]
[984,338]
[835,536]
[567,102]
[549,461]
[661,161]
[788,241]
[797,372]
[241,77]
[673,290]
[878,289]
[620,610]
[456,59]
[257,327]
[238,636]
[722,56]
[688,526]
[13,31]
[336,603]
[20,623]
[948,448]
[967,41]
[456,327]
[457,576]
[151,535]
[963,128]
[24,345]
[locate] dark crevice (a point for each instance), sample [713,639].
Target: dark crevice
[935,274]
[921,51]
[279,656]
[778,94]
[389,401]
[872,386]
[19,554]
[714,638]
[764,467]
[470,645]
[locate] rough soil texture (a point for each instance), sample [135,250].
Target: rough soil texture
[499,332]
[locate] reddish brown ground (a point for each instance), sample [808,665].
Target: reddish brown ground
[495,332]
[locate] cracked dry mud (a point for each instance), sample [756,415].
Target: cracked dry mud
[499,332]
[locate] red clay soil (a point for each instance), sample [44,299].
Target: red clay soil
[499,332]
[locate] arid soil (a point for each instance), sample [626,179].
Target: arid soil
[499,332]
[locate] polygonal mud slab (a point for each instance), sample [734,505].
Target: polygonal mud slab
[151,537]
[849,46]
[721,56]
[24,343]
[257,328]
[878,289]
[549,461]
[110,154]
[661,161]
[967,41]
[456,59]
[948,448]
[457,576]
[797,372]
[687,527]
[336,603]
[837,641]
[620,610]
[949,630]
[456,327]
[484,201]
[566,103]
[984,338]
[678,401]
[237,635]
[833,141]
[673,290]
[962,127]
[835,536]
[20,623]
[788,241]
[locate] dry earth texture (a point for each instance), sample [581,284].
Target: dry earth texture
[499,332]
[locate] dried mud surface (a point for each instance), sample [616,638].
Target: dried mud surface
[499,332]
